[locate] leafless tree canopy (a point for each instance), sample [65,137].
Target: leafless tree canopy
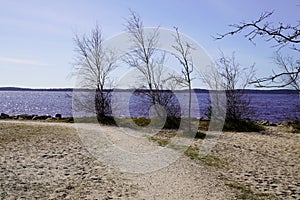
[145,57]
[284,36]
[93,65]
[93,61]
[149,61]
[233,78]
[233,75]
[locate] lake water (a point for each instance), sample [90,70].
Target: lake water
[267,106]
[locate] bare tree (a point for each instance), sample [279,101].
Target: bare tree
[233,79]
[149,61]
[93,65]
[283,35]
[185,59]
[142,57]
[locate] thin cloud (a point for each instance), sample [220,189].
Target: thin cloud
[22,61]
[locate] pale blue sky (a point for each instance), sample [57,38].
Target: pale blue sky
[36,37]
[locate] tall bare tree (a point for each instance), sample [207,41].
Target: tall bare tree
[149,61]
[184,57]
[93,65]
[233,79]
[283,36]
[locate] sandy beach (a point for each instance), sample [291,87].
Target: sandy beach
[42,160]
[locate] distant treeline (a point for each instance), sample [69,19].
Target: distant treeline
[247,91]
[35,89]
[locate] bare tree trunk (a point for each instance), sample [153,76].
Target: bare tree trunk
[184,50]
[190,107]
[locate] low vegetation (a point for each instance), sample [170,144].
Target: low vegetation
[160,141]
[244,192]
[164,139]
[294,125]
[234,125]
[242,126]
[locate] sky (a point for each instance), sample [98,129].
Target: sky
[36,37]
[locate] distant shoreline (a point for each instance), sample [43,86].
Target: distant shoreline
[35,89]
[248,91]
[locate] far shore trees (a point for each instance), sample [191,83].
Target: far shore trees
[93,65]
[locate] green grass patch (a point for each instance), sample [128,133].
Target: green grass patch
[192,153]
[214,161]
[161,141]
[92,120]
[141,121]
[243,192]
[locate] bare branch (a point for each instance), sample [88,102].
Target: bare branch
[282,34]
[289,76]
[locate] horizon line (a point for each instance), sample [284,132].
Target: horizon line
[71,88]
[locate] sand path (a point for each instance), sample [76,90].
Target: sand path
[44,160]
[57,165]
